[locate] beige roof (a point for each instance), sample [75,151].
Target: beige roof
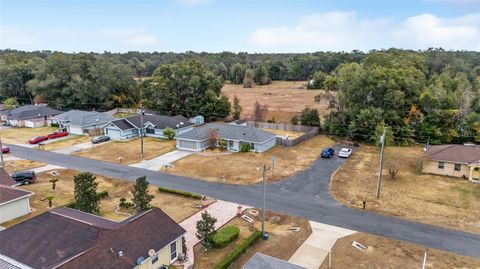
[454,153]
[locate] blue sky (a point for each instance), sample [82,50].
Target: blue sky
[238,25]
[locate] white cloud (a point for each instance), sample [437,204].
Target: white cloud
[192,3]
[346,31]
[111,39]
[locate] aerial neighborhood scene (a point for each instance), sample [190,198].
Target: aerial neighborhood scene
[215,134]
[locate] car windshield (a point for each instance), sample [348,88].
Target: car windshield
[345,150]
[326,150]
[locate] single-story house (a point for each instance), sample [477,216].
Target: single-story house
[453,160]
[81,122]
[66,238]
[14,202]
[31,116]
[153,126]
[262,261]
[207,135]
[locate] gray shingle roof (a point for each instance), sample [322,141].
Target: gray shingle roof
[262,261]
[454,153]
[161,122]
[230,132]
[32,111]
[83,118]
[122,124]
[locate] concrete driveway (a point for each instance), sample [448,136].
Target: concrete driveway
[159,162]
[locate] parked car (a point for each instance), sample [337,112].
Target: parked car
[25,177]
[345,152]
[327,153]
[5,149]
[37,139]
[57,134]
[100,139]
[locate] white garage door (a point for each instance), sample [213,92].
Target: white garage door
[112,133]
[185,144]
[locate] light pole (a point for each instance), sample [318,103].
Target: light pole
[379,183]
[141,130]
[264,176]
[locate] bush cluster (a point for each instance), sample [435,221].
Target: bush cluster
[244,146]
[182,193]
[225,235]
[238,251]
[102,194]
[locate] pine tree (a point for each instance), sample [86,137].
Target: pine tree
[85,193]
[141,196]
[248,79]
[237,109]
[206,229]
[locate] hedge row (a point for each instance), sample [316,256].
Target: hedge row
[238,251]
[183,193]
[225,235]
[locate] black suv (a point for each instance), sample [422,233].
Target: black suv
[100,139]
[25,177]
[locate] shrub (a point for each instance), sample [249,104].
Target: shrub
[225,235]
[244,147]
[182,193]
[169,133]
[54,125]
[102,194]
[238,251]
[125,204]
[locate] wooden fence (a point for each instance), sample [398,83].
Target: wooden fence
[308,131]
[122,110]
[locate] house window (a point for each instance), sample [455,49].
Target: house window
[150,130]
[457,167]
[230,143]
[155,259]
[173,251]
[441,165]
[252,146]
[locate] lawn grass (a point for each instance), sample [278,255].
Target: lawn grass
[177,207]
[284,99]
[383,252]
[21,165]
[433,199]
[16,135]
[128,150]
[281,243]
[241,168]
[67,142]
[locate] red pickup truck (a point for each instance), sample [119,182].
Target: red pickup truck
[57,134]
[37,139]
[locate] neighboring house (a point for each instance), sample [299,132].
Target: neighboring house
[81,122]
[453,160]
[262,261]
[153,126]
[31,116]
[203,137]
[14,202]
[69,239]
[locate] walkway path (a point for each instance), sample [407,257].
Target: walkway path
[159,162]
[47,167]
[313,251]
[74,148]
[223,211]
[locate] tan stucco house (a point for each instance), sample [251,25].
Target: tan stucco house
[70,239]
[462,161]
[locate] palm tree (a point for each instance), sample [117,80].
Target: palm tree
[50,198]
[53,181]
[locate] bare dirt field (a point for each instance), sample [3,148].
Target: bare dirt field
[281,243]
[16,135]
[387,253]
[177,207]
[128,150]
[21,165]
[439,200]
[284,99]
[241,168]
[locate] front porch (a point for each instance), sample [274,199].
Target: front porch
[474,173]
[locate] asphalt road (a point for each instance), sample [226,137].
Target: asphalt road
[305,194]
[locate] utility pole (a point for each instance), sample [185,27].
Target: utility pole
[1,154]
[379,183]
[264,235]
[141,130]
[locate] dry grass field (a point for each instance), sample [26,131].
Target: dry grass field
[388,253]
[128,150]
[22,135]
[284,99]
[281,243]
[439,200]
[67,142]
[21,165]
[290,134]
[177,207]
[240,168]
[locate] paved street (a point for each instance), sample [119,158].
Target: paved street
[305,194]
